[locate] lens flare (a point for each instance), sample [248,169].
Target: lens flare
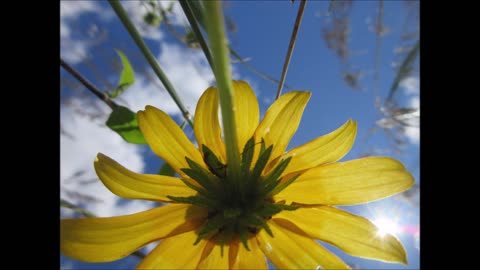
[386,226]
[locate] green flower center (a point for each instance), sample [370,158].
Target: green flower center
[238,205]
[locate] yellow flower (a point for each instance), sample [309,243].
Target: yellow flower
[283,202]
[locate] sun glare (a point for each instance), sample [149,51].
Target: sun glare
[386,226]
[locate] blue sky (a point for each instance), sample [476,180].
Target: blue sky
[90,31]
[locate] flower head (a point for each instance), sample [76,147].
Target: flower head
[277,207]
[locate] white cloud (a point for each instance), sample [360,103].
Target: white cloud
[411,85]
[78,153]
[413,132]
[73,9]
[73,50]
[187,71]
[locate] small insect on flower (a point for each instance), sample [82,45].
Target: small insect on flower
[277,206]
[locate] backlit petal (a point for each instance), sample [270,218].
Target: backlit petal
[212,257]
[247,112]
[241,258]
[176,252]
[351,182]
[109,239]
[281,121]
[290,248]
[167,140]
[206,125]
[353,234]
[131,185]
[325,149]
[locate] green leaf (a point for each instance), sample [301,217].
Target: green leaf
[123,121]
[167,170]
[127,77]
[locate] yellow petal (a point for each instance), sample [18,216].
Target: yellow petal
[109,239]
[241,258]
[247,112]
[212,257]
[351,182]
[353,234]
[167,140]
[131,185]
[290,248]
[325,149]
[176,252]
[281,121]
[206,125]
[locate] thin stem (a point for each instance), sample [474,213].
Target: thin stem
[215,27]
[88,214]
[291,45]
[196,30]
[377,54]
[132,30]
[101,95]
[252,68]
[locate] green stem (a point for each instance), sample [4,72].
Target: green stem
[218,43]
[132,30]
[101,95]
[196,30]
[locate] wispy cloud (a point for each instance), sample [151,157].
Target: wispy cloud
[411,85]
[413,132]
[72,49]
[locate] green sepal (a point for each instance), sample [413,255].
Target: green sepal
[247,156]
[226,236]
[167,170]
[243,238]
[201,175]
[195,200]
[261,162]
[213,224]
[272,179]
[281,187]
[198,176]
[213,163]
[262,145]
[268,210]
[200,190]
[259,222]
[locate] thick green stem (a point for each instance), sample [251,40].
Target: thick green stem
[132,30]
[218,43]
